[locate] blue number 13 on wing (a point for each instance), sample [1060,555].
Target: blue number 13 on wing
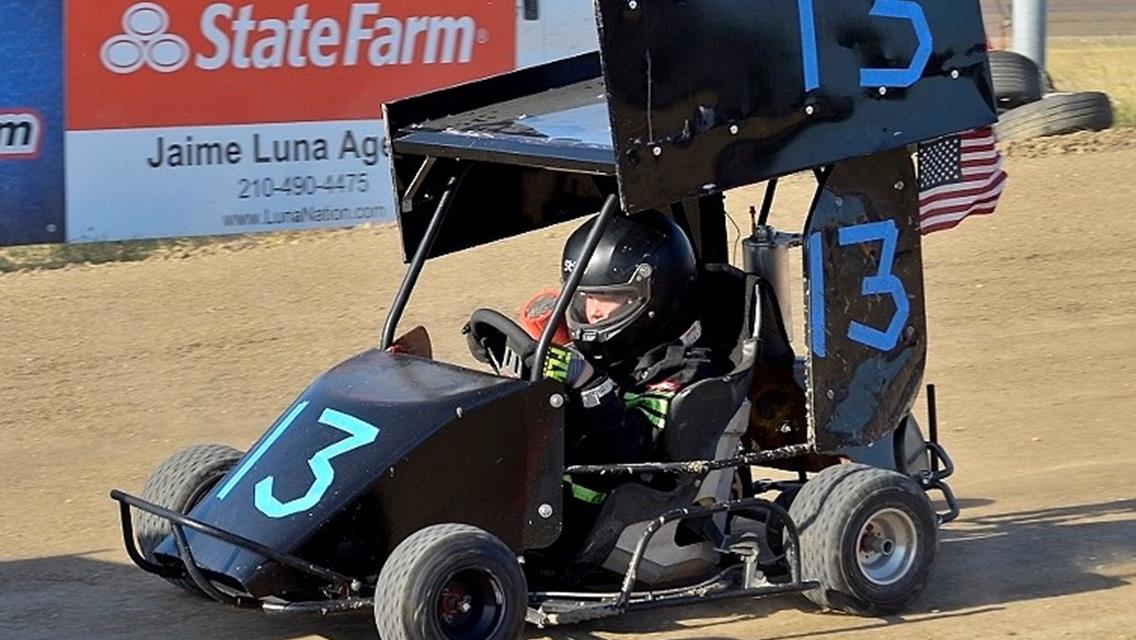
[361,434]
[871,77]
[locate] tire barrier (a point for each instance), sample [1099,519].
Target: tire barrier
[1030,106]
[1017,80]
[1056,114]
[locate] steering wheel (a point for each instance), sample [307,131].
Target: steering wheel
[499,342]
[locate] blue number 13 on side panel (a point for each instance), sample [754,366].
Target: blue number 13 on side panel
[883,283]
[361,434]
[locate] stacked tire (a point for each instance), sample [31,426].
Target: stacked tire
[1027,111]
[1016,79]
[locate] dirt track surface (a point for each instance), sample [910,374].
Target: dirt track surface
[106,370]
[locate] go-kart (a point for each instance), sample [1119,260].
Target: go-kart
[435,495]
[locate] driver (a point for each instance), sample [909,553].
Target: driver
[634,331]
[635,343]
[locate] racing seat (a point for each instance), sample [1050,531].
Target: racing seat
[706,419]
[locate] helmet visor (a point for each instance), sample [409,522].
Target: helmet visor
[603,308]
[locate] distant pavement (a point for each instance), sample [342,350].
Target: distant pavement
[1082,18]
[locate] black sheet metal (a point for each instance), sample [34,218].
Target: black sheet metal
[715,94]
[551,116]
[866,328]
[539,140]
[442,453]
[699,97]
[564,129]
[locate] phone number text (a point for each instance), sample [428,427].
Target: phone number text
[249,188]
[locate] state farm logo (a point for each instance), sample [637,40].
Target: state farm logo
[240,39]
[20,134]
[145,42]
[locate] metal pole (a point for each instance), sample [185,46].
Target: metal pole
[933,424]
[590,244]
[767,203]
[1028,21]
[420,255]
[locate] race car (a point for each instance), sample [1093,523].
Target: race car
[431,493]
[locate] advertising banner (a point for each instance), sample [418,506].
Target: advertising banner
[31,122]
[189,117]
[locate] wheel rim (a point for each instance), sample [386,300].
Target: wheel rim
[470,605]
[887,546]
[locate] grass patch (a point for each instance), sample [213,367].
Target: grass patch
[1097,64]
[48,256]
[53,256]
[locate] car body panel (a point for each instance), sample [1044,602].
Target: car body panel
[431,443]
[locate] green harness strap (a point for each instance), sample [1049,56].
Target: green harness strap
[656,405]
[583,493]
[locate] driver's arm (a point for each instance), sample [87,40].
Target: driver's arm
[601,428]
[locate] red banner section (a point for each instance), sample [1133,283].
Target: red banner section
[196,62]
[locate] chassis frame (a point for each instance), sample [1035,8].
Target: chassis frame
[347,594]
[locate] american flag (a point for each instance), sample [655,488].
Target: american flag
[959,176]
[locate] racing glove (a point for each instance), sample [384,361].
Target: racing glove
[569,366]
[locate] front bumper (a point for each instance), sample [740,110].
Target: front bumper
[345,593]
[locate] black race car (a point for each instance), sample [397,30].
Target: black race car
[433,493]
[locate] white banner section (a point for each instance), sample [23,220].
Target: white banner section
[126,184]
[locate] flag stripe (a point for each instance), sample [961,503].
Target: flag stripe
[974,138]
[988,161]
[975,191]
[962,204]
[959,212]
[980,183]
[953,221]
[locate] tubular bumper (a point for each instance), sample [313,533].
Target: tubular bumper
[935,480]
[350,588]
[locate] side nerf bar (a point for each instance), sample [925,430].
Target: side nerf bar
[575,607]
[935,478]
[351,587]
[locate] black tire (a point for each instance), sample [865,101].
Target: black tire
[1056,114]
[1017,80]
[178,484]
[776,560]
[842,510]
[428,577]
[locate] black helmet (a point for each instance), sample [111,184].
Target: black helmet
[644,268]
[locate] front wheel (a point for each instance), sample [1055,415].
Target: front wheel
[178,484]
[451,582]
[868,536]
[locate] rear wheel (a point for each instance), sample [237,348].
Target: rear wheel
[451,582]
[178,484]
[868,536]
